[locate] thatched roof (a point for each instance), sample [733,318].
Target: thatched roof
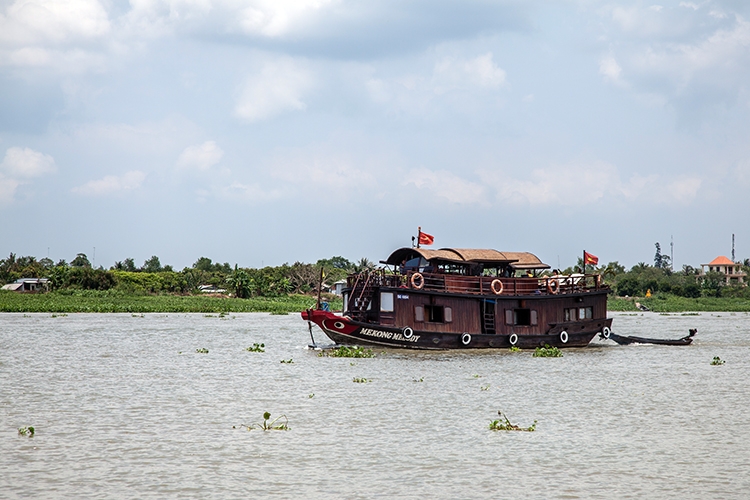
[517,260]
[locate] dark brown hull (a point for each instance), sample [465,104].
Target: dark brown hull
[345,331]
[626,340]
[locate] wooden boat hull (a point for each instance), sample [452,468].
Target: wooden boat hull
[626,340]
[346,331]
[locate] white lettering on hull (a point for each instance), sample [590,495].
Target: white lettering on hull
[387,335]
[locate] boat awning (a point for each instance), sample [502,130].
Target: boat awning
[517,260]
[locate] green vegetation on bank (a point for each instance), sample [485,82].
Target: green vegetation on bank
[668,303]
[70,301]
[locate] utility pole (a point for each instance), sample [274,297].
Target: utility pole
[671,251]
[732,248]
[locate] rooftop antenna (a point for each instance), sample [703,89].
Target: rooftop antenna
[732,247]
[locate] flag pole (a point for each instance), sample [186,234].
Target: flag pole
[419,234]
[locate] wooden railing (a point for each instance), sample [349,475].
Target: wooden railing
[479,285]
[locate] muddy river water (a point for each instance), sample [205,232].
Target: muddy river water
[124,407]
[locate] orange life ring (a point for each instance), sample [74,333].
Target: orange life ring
[417,278]
[496,286]
[553,286]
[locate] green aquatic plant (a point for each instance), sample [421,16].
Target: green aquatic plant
[268,424]
[347,352]
[256,348]
[476,375]
[547,352]
[287,361]
[717,361]
[311,395]
[59,315]
[361,380]
[503,424]
[138,315]
[202,350]
[485,387]
[279,313]
[515,349]
[420,379]
[26,431]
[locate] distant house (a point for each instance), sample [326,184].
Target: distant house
[27,285]
[211,289]
[338,287]
[732,270]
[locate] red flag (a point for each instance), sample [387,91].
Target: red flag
[425,239]
[589,258]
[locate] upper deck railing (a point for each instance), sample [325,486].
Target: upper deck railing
[479,285]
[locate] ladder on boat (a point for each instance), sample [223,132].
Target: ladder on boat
[488,316]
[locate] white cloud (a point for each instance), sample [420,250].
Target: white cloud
[680,51]
[26,163]
[18,167]
[609,68]
[445,185]
[201,157]
[480,71]
[8,188]
[274,18]
[278,88]
[581,184]
[63,34]
[112,184]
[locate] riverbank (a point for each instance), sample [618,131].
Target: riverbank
[674,303]
[68,301]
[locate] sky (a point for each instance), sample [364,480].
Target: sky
[260,132]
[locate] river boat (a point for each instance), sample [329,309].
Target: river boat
[456,298]
[626,339]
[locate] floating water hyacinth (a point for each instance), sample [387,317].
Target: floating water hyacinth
[348,352]
[26,431]
[280,423]
[503,424]
[547,352]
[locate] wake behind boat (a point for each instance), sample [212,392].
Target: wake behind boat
[466,298]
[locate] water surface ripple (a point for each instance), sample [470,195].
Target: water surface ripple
[124,407]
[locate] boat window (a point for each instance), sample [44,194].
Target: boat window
[521,317]
[435,314]
[570,314]
[386,301]
[574,313]
[448,315]
[346,302]
[418,313]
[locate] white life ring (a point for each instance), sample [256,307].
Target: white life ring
[564,337]
[465,339]
[496,286]
[513,339]
[606,331]
[553,286]
[408,332]
[417,278]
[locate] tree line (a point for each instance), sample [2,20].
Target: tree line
[153,277]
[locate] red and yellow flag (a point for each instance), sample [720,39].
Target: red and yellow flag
[425,239]
[590,258]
